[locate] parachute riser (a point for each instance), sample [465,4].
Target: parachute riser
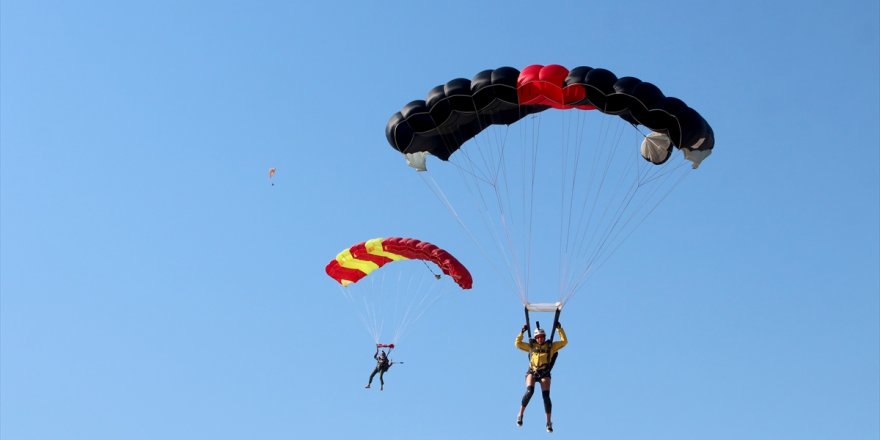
[529,330]
[555,323]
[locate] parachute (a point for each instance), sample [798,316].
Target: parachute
[404,290]
[457,111]
[543,187]
[360,260]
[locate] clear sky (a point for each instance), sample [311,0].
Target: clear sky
[154,285]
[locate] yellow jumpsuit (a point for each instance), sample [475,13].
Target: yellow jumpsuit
[541,354]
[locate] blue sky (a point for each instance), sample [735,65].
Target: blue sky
[154,285]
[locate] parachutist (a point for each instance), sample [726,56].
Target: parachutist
[383,363]
[541,355]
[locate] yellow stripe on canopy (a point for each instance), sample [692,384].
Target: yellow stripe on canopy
[374,247]
[346,260]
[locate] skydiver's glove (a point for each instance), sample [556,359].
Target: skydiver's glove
[525,328]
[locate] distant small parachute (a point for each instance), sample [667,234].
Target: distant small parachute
[271,175]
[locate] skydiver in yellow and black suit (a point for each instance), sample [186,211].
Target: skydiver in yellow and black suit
[540,362]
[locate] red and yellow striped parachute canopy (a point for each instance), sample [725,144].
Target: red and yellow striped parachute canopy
[358,261]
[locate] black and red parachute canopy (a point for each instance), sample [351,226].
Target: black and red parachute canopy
[455,112]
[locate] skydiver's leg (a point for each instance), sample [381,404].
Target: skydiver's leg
[381,379]
[375,370]
[548,406]
[530,389]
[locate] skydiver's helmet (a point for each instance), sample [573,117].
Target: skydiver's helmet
[382,354]
[539,332]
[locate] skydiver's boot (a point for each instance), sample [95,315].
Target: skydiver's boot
[518,421]
[549,426]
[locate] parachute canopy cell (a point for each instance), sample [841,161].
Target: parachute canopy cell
[358,261]
[457,111]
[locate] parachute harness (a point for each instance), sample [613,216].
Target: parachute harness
[543,308]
